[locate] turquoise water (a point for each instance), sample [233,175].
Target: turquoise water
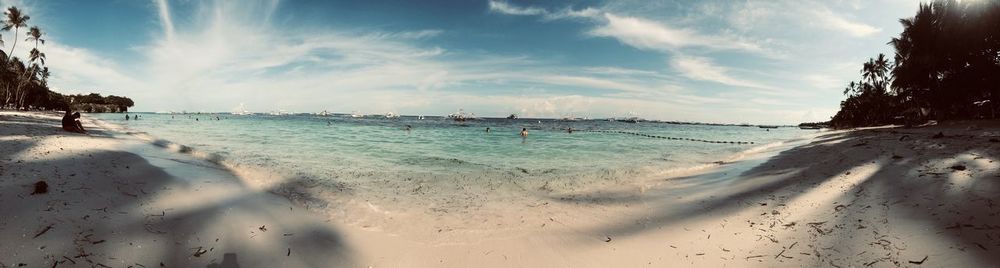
[380,159]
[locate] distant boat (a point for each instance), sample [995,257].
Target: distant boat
[278,112]
[811,127]
[767,126]
[421,117]
[241,110]
[512,116]
[631,120]
[324,113]
[356,114]
[391,115]
[461,116]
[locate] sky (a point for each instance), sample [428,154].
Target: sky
[759,62]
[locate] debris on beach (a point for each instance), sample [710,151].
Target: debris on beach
[262,228]
[608,240]
[958,167]
[938,135]
[46,229]
[920,261]
[199,251]
[41,188]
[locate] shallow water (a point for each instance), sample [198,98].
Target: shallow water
[447,165]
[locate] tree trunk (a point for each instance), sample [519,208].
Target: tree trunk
[10,54]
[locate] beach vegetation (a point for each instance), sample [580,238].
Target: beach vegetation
[24,85]
[946,66]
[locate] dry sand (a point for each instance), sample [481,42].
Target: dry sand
[883,197]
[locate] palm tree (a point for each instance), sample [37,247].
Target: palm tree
[45,76]
[15,19]
[35,34]
[37,55]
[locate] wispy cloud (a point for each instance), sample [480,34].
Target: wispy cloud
[163,9]
[704,69]
[836,22]
[505,8]
[645,34]
[212,55]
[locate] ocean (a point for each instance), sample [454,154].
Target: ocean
[335,162]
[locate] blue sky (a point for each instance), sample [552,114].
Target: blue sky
[712,61]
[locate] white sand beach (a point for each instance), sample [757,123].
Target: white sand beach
[880,197]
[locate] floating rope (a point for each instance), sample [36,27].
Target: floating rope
[665,137]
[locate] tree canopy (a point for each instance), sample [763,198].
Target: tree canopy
[946,66]
[24,85]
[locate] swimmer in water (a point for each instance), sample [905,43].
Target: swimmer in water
[524,132]
[408,128]
[487,130]
[569,130]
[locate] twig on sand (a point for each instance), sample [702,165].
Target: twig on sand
[46,229]
[780,254]
[875,261]
[289,252]
[198,252]
[754,256]
[815,225]
[920,262]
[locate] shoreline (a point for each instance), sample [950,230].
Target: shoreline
[836,199]
[374,213]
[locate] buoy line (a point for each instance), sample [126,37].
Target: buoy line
[665,137]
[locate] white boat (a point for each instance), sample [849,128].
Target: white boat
[391,115]
[324,113]
[356,114]
[279,112]
[462,116]
[241,110]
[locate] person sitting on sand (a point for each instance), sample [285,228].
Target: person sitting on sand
[524,132]
[71,124]
[67,122]
[76,120]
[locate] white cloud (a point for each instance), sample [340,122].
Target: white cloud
[645,34]
[703,69]
[166,20]
[597,83]
[226,54]
[833,21]
[505,8]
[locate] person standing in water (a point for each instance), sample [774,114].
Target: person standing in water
[126,117]
[524,132]
[487,129]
